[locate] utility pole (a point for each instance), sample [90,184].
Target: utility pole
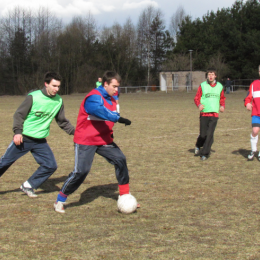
[190,69]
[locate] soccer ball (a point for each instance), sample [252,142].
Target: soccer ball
[127,204]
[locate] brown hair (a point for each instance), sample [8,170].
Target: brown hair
[211,70]
[109,75]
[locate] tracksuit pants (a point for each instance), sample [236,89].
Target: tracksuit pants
[42,154]
[84,155]
[205,139]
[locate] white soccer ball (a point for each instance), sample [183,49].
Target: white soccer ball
[127,204]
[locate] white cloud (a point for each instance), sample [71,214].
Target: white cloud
[138,4]
[108,8]
[113,10]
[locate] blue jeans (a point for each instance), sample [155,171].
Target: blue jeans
[42,155]
[84,155]
[227,90]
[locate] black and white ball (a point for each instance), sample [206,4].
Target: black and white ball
[127,204]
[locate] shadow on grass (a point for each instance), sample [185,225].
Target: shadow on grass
[8,191]
[107,191]
[242,152]
[192,150]
[50,185]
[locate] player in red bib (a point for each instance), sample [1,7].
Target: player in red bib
[252,103]
[94,134]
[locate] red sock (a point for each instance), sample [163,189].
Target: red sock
[123,189]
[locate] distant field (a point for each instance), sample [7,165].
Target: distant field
[189,209]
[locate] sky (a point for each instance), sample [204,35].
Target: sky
[107,12]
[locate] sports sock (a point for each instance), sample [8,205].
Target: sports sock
[118,108]
[254,141]
[123,189]
[61,197]
[26,184]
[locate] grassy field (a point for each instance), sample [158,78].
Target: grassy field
[189,209]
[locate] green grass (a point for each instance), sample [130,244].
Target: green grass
[189,209]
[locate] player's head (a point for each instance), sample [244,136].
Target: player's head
[211,70]
[211,75]
[52,83]
[49,76]
[111,81]
[99,79]
[109,75]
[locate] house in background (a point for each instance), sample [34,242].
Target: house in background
[180,80]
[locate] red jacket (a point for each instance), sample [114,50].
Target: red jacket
[198,97]
[254,95]
[91,130]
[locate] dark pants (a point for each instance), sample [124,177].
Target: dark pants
[207,127]
[84,155]
[227,90]
[42,155]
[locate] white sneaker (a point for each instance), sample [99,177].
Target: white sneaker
[58,207]
[197,150]
[29,191]
[251,155]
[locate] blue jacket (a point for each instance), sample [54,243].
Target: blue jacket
[94,105]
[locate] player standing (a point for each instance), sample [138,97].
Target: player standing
[252,103]
[210,100]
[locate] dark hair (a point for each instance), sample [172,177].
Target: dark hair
[49,76]
[211,70]
[109,75]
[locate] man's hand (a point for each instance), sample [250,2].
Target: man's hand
[124,121]
[221,109]
[18,139]
[249,106]
[201,107]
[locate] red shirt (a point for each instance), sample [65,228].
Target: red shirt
[254,97]
[91,130]
[198,97]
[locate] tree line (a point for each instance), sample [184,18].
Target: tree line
[34,42]
[227,40]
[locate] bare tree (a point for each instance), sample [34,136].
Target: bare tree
[177,62]
[119,43]
[144,37]
[175,22]
[217,61]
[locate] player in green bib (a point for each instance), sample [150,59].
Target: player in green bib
[210,100]
[31,126]
[99,82]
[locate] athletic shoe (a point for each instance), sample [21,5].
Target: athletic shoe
[197,150]
[203,158]
[58,207]
[258,156]
[29,191]
[251,155]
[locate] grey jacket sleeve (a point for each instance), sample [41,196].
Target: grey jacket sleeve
[63,122]
[21,114]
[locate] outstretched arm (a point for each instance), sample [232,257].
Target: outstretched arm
[63,122]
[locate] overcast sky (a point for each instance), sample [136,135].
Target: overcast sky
[106,12]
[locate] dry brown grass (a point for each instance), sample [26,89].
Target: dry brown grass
[190,209]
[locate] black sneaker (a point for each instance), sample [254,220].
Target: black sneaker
[29,191]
